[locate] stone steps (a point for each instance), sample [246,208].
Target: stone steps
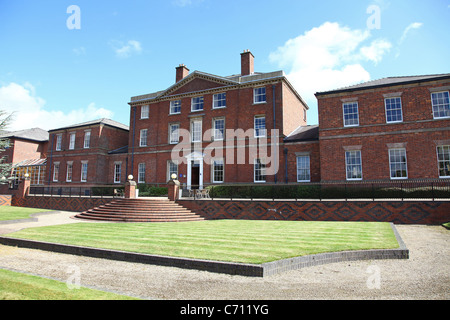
[140,210]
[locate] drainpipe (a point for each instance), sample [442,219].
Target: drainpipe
[285,165]
[274,127]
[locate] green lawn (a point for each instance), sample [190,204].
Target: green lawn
[16,213]
[244,241]
[19,286]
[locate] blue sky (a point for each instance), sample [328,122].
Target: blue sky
[52,76]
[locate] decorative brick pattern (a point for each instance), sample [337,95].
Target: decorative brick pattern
[398,212]
[5,200]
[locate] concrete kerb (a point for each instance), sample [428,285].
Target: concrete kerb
[250,270]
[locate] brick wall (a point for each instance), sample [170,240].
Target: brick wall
[419,134]
[398,212]
[74,204]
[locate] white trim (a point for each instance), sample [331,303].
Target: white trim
[401,109]
[432,107]
[343,113]
[194,156]
[406,164]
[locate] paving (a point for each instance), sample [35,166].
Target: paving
[425,275]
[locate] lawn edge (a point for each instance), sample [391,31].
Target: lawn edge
[232,268]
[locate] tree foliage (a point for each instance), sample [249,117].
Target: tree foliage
[5,143]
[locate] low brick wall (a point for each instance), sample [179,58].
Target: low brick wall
[398,212]
[5,200]
[75,204]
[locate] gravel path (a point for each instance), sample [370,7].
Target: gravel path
[425,275]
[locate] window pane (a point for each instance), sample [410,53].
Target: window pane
[219,129]
[260,126]
[175,106]
[397,160]
[219,100]
[351,117]
[197,103]
[218,168]
[440,104]
[259,171]
[444,161]
[303,168]
[393,110]
[259,95]
[353,165]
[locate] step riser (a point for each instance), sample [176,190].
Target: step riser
[138,210]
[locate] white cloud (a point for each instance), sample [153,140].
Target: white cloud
[328,57]
[126,50]
[81,51]
[30,110]
[186,3]
[414,25]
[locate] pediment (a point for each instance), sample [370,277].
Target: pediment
[197,82]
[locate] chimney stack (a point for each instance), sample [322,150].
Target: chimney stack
[247,63]
[182,72]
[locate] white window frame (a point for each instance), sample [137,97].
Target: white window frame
[219,100]
[391,163]
[171,165]
[386,109]
[84,171]
[196,130]
[59,142]
[117,173]
[306,168]
[197,104]
[261,169]
[259,95]
[72,138]
[219,162]
[143,137]
[445,161]
[433,106]
[175,104]
[349,155]
[87,139]
[69,171]
[174,135]
[357,114]
[259,132]
[55,172]
[217,137]
[145,111]
[141,172]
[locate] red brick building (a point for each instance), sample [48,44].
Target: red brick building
[251,128]
[81,155]
[388,129]
[27,154]
[211,129]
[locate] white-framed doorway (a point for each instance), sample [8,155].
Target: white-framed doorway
[195,170]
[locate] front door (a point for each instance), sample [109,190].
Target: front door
[195,175]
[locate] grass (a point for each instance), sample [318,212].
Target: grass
[17,213]
[244,241]
[19,286]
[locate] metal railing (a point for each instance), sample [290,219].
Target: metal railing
[429,190]
[107,191]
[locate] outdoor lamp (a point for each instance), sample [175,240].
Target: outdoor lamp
[130,177]
[26,175]
[174,176]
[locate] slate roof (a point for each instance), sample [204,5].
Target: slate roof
[104,121]
[389,81]
[34,134]
[304,133]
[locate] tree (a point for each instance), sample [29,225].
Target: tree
[5,168]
